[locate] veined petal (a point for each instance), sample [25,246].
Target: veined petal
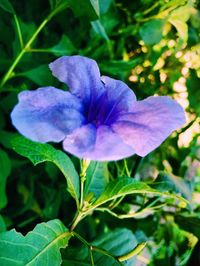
[119,96]
[81,74]
[98,144]
[149,123]
[47,114]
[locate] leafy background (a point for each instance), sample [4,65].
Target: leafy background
[154,47]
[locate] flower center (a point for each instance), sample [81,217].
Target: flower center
[100,111]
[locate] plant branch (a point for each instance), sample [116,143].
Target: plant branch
[97,249]
[133,252]
[27,46]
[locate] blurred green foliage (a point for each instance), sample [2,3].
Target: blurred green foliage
[154,47]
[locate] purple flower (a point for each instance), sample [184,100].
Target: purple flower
[99,118]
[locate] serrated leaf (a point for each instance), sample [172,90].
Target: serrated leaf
[5,169]
[39,247]
[96,178]
[6,5]
[126,186]
[38,153]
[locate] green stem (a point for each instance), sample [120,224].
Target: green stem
[126,168]
[78,217]
[91,257]
[20,55]
[19,31]
[84,167]
[38,50]
[30,41]
[133,252]
[145,12]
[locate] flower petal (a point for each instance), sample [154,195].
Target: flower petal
[81,74]
[47,114]
[98,144]
[81,140]
[119,95]
[149,123]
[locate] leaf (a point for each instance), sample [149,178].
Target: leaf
[126,186]
[40,75]
[64,47]
[6,5]
[119,68]
[5,166]
[96,178]
[117,242]
[189,223]
[182,13]
[99,29]
[151,32]
[171,183]
[38,153]
[104,5]
[87,8]
[5,138]
[192,84]
[39,247]
[2,224]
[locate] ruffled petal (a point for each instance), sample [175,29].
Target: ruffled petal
[47,114]
[149,123]
[81,74]
[98,144]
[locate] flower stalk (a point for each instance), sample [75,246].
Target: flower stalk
[84,167]
[80,214]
